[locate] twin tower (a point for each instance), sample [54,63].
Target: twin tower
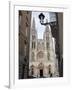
[42,57]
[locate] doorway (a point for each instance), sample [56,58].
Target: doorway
[41,72]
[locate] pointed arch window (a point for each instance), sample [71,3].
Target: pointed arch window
[33,45]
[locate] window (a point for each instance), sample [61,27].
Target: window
[47,45]
[48,56]
[33,45]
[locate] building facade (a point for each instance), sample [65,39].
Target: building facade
[24,40]
[42,57]
[57,32]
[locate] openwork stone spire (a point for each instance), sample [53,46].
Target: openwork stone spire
[33,24]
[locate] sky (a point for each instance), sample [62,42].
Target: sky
[40,28]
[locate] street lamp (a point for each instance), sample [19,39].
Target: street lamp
[41,17]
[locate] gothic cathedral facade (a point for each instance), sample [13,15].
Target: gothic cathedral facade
[42,56]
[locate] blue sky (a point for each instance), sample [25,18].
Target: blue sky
[40,28]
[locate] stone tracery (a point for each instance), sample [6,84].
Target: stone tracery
[43,57]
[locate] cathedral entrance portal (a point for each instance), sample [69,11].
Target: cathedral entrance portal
[41,72]
[41,68]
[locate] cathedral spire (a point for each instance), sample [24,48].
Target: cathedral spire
[33,24]
[47,28]
[47,31]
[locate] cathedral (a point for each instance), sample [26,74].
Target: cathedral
[42,56]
